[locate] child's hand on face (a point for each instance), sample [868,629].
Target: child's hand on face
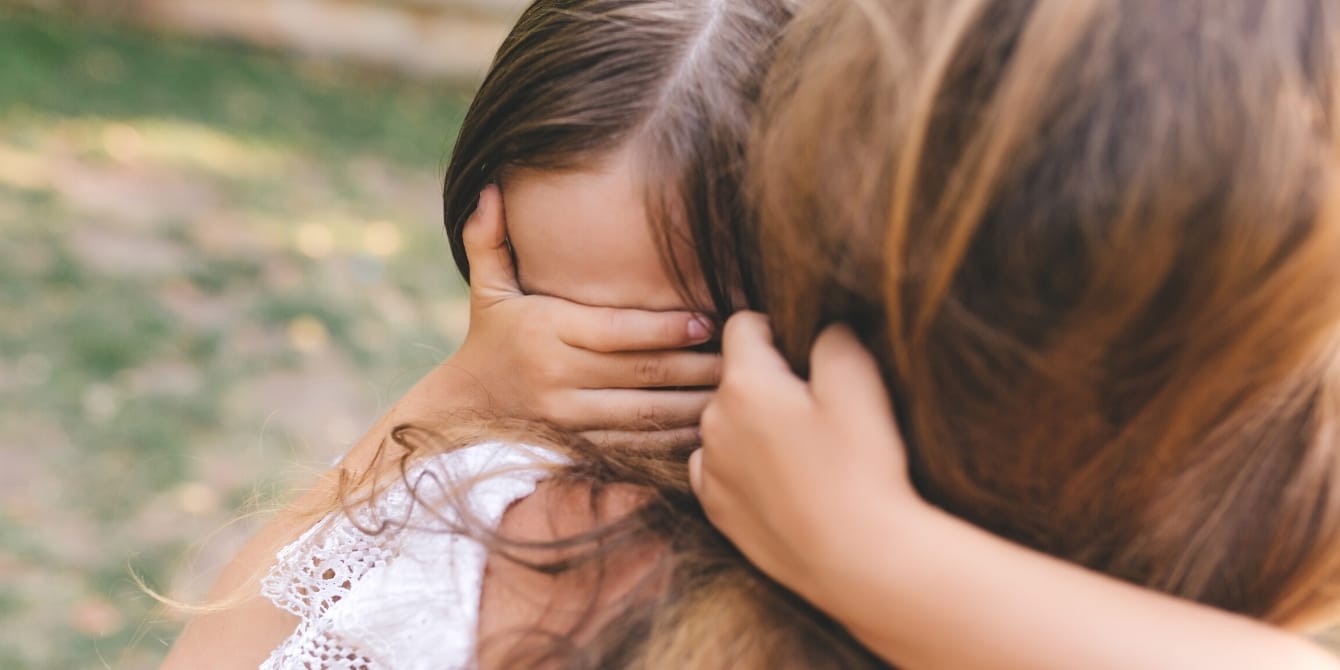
[603,372]
[796,474]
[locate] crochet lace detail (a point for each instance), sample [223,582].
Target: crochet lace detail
[394,583]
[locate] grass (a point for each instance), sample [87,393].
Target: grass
[219,265]
[78,69]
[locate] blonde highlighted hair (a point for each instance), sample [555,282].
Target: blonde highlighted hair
[1095,244]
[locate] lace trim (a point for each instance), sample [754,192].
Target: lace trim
[407,597]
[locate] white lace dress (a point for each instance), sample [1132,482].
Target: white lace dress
[408,597]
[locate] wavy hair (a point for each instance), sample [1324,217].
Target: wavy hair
[1093,244]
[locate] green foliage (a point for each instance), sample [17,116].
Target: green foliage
[152,194]
[76,68]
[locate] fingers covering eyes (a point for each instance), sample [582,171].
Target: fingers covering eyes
[609,330]
[645,440]
[660,369]
[634,410]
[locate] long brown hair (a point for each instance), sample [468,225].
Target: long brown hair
[1095,244]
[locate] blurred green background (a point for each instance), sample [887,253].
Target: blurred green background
[217,265]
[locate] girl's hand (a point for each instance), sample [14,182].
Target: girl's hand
[605,373]
[799,475]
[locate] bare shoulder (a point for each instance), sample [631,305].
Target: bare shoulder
[243,627]
[246,627]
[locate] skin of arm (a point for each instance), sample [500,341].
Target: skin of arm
[593,370]
[810,482]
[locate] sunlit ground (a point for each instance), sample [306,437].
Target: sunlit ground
[216,266]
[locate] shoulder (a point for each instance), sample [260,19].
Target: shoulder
[397,580]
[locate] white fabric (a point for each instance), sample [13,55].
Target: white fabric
[406,598]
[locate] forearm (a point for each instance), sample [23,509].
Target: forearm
[963,598]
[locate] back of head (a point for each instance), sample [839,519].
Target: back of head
[677,80]
[1094,245]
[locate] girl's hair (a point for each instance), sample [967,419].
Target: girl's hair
[677,80]
[1095,244]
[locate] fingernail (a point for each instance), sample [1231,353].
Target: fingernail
[699,329]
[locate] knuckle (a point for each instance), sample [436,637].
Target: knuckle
[716,369]
[546,407]
[651,414]
[551,407]
[601,439]
[687,437]
[739,373]
[741,395]
[615,324]
[550,372]
[650,371]
[660,440]
[736,386]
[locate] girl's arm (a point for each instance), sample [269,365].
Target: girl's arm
[810,481]
[581,368]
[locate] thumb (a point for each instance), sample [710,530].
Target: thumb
[696,471]
[844,375]
[747,341]
[485,237]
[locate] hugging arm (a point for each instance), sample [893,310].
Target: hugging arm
[810,482]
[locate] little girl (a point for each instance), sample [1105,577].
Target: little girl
[599,170]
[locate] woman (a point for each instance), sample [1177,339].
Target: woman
[609,562]
[1108,316]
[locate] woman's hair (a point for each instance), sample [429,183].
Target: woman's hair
[1095,245]
[1092,243]
[677,80]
